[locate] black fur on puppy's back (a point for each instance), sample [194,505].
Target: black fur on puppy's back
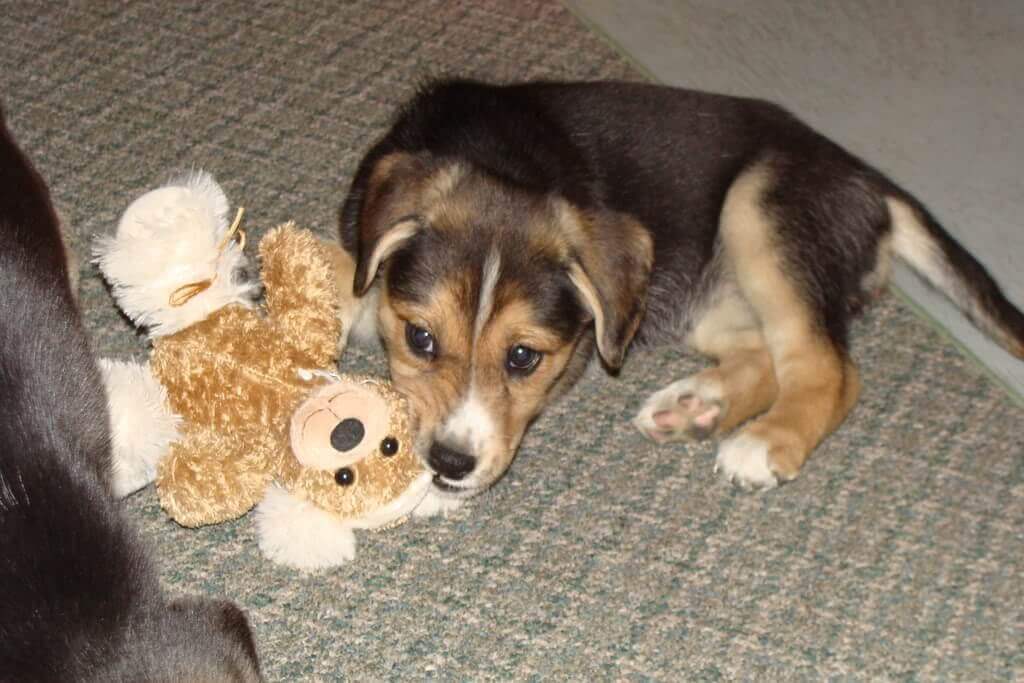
[79,599]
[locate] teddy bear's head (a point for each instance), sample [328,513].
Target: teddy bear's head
[352,439]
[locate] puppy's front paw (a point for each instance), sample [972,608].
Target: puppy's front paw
[689,409]
[436,503]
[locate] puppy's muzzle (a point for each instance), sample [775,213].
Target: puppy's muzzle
[449,463]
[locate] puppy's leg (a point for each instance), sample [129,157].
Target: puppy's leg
[358,314]
[716,400]
[817,383]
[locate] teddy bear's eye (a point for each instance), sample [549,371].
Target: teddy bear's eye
[345,476]
[389,446]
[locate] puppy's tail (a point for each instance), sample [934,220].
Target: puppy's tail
[922,243]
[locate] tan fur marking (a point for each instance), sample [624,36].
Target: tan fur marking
[432,386]
[875,281]
[442,183]
[729,324]
[730,332]
[384,168]
[514,321]
[813,397]
[748,386]
[381,207]
[516,401]
[443,207]
[431,390]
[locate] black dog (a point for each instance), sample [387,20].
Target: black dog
[513,229]
[79,599]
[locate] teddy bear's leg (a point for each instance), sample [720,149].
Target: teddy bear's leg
[211,477]
[296,533]
[142,425]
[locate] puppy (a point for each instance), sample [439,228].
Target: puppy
[502,234]
[79,599]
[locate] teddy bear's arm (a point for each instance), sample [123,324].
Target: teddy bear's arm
[210,477]
[302,292]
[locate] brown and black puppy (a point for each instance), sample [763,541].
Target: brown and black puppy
[502,233]
[79,598]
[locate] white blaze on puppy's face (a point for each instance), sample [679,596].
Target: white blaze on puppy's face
[490,273]
[470,429]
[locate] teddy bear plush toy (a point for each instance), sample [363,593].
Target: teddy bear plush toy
[239,404]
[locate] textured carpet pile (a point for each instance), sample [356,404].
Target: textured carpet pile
[897,554]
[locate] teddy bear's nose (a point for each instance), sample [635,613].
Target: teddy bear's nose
[347,434]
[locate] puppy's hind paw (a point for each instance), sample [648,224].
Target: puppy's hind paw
[690,409]
[744,461]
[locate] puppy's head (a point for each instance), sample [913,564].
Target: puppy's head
[491,299]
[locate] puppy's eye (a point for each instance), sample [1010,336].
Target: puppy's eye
[420,341]
[389,446]
[522,360]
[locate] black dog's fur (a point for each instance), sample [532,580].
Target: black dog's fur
[79,598]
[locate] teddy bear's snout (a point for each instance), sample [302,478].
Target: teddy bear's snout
[347,434]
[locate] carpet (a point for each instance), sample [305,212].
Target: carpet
[896,555]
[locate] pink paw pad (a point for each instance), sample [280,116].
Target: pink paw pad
[693,416]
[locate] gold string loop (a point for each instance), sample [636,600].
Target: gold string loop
[182,295]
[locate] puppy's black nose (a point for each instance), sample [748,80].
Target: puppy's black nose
[347,434]
[449,463]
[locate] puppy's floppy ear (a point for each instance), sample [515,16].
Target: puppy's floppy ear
[381,212]
[374,251]
[610,261]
